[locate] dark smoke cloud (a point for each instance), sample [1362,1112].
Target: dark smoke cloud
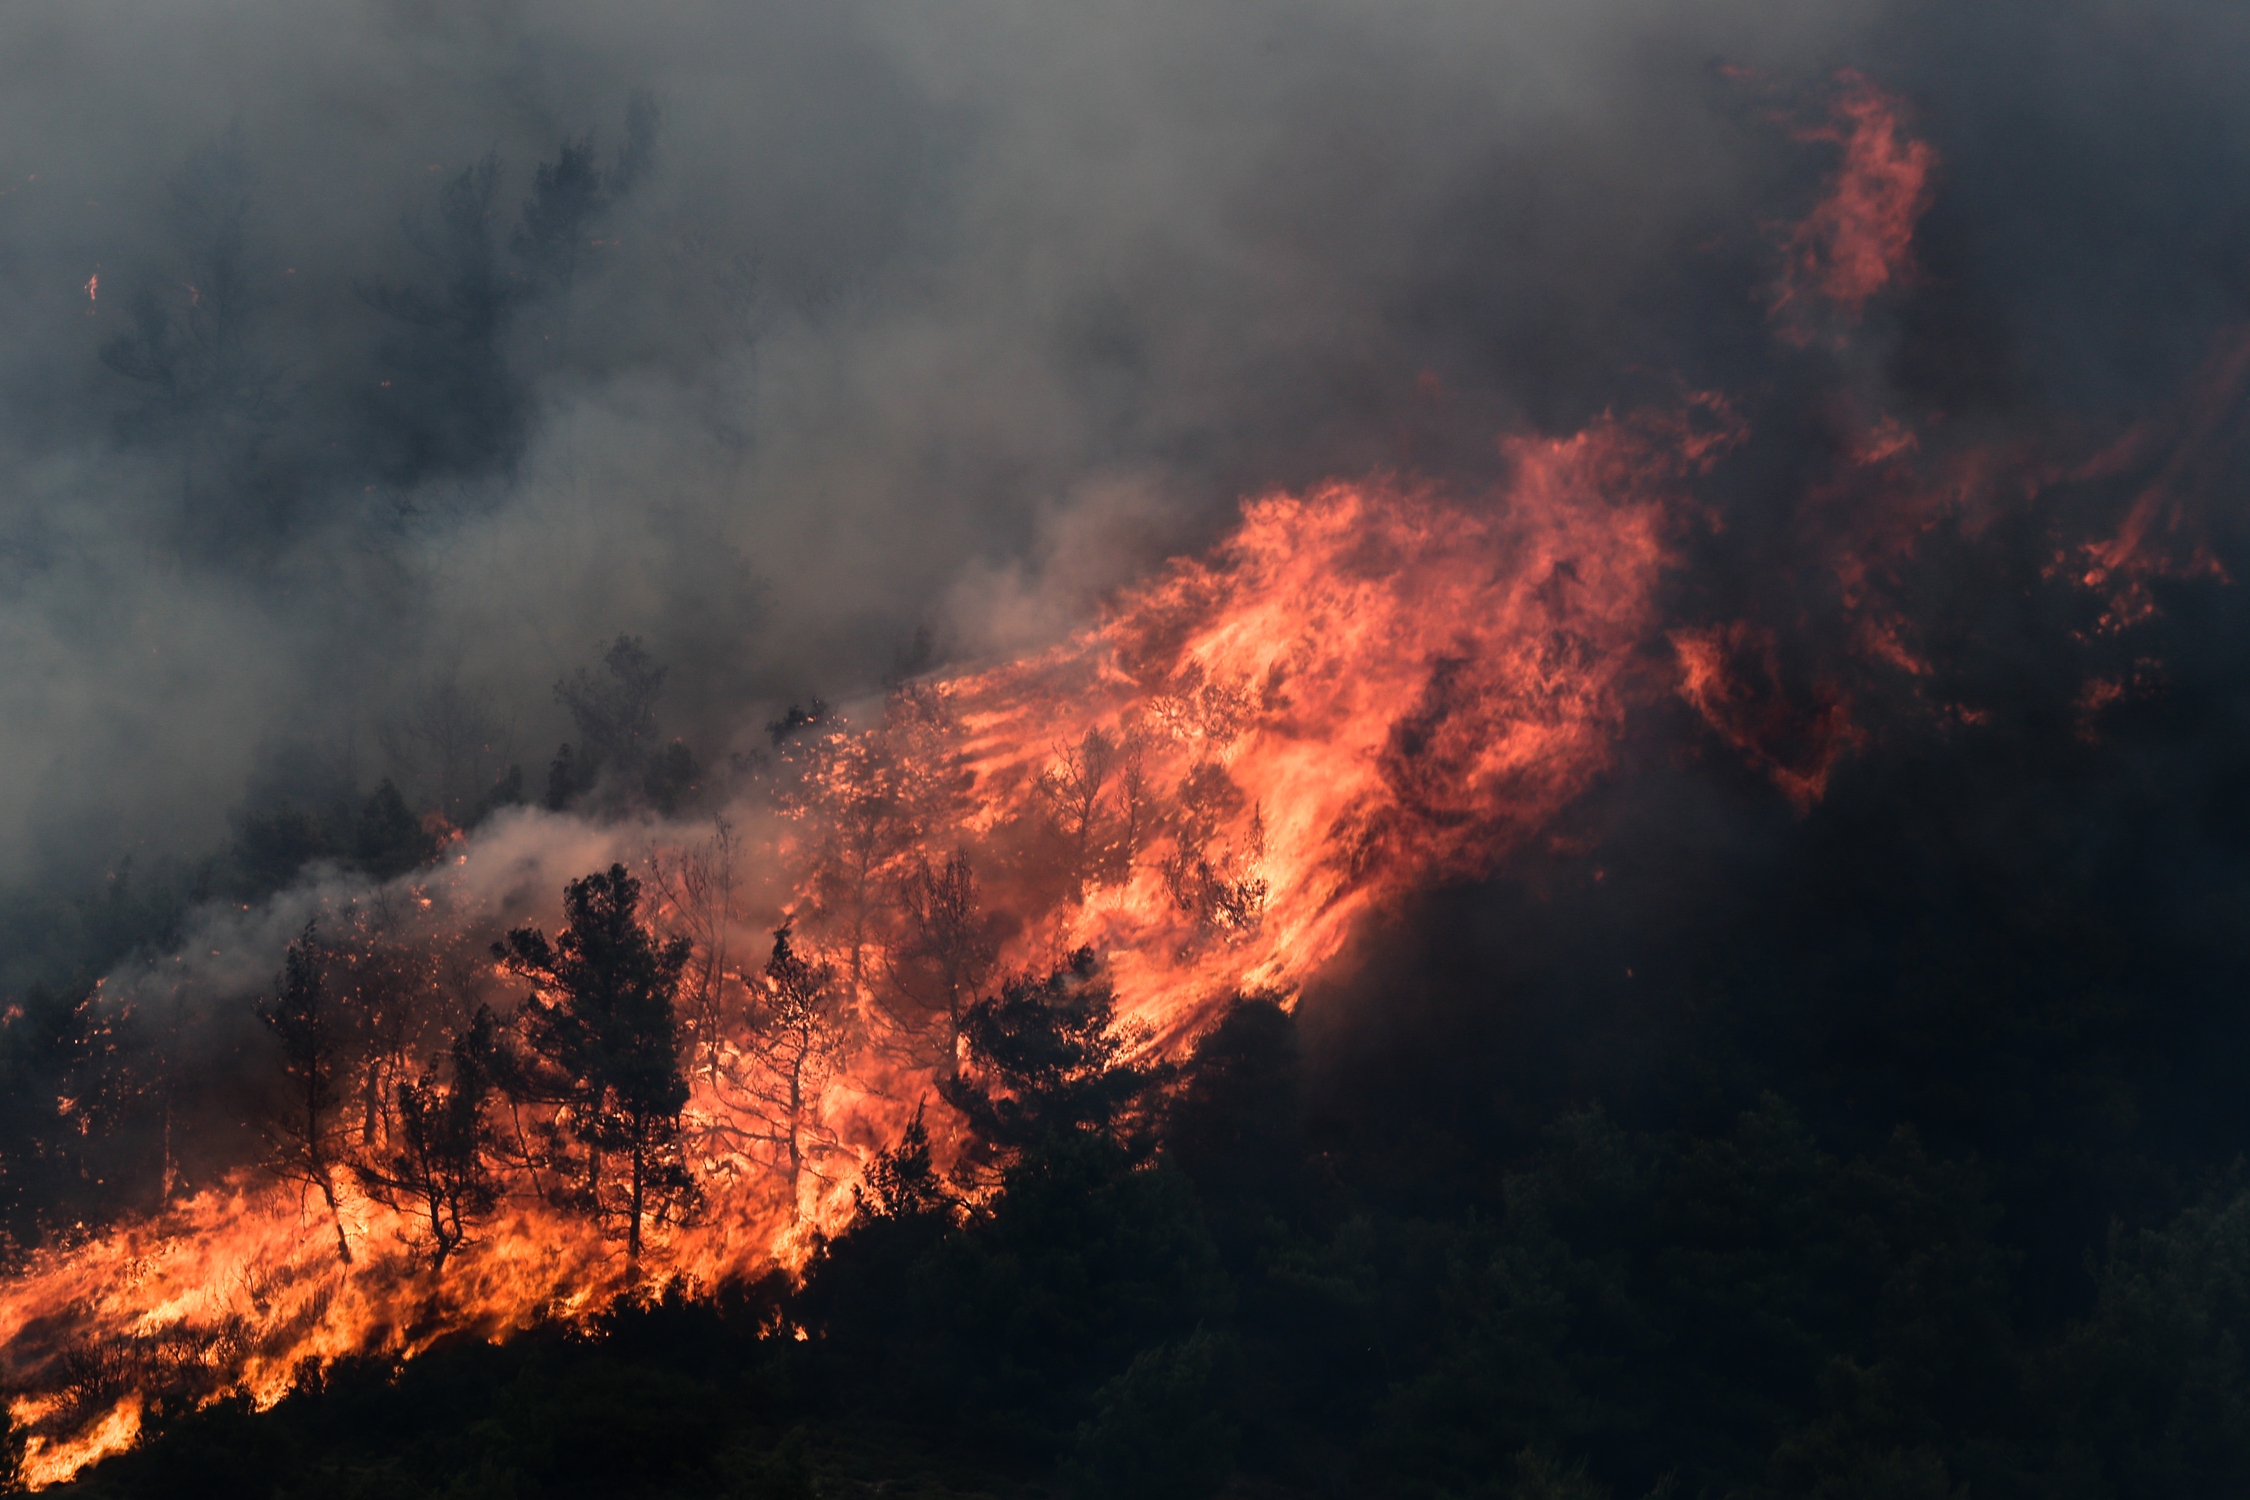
[951,317]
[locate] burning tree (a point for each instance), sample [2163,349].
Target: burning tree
[1101,831]
[949,951]
[797,1041]
[874,797]
[386,990]
[1210,877]
[698,890]
[306,1134]
[440,1174]
[604,1043]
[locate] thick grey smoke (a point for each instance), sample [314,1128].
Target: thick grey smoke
[323,463]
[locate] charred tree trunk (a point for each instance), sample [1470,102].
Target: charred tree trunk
[336,1216]
[640,1161]
[797,1129]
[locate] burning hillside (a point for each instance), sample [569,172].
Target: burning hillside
[1368,687]
[1365,689]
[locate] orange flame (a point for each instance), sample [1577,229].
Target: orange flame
[1364,686]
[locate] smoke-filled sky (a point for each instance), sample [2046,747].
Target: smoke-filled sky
[880,317]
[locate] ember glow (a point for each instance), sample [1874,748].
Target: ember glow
[1369,686]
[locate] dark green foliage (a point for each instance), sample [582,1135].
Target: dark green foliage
[381,837]
[566,195]
[194,350]
[1236,1126]
[549,1417]
[1720,1308]
[636,154]
[591,1427]
[1006,1324]
[1536,1475]
[439,385]
[1008,1320]
[1160,1430]
[2152,1390]
[223,1448]
[1048,1061]
[452,403]
[785,728]
[604,1046]
[1732,1310]
[901,1183]
[57,938]
[554,238]
[620,753]
[784,1474]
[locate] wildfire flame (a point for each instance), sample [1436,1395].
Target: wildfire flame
[1366,687]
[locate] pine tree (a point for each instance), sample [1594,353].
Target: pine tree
[306,1133]
[604,1039]
[798,1038]
[949,951]
[1049,1061]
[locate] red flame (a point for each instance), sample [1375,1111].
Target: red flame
[1732,675]
[1858,240]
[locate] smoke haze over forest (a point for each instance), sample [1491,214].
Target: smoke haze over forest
[904,319]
